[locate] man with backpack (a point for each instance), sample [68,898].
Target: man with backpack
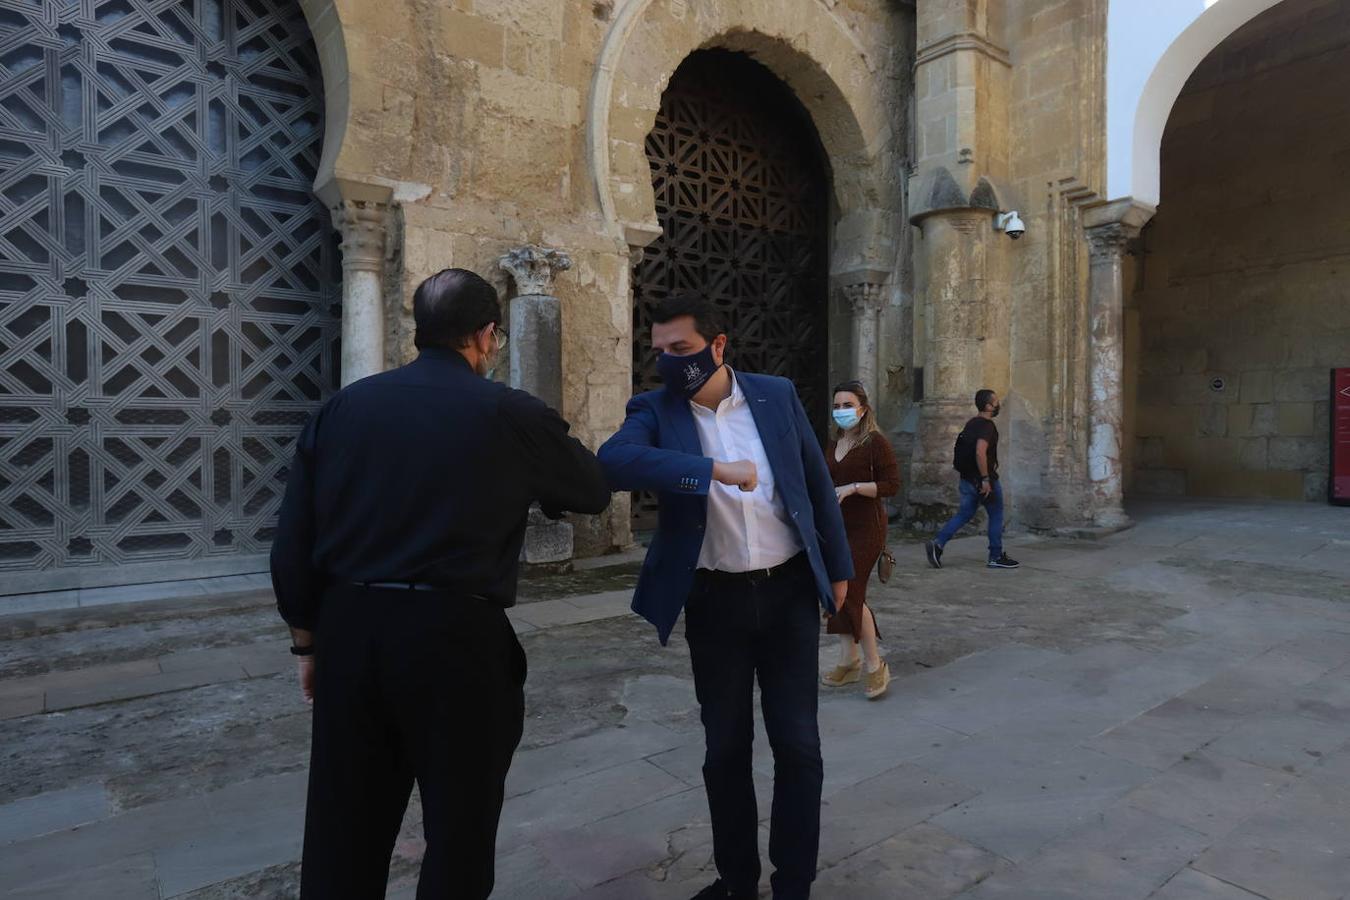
[975,458]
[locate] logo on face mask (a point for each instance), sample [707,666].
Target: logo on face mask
[686,375]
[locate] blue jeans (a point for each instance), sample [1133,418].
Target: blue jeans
[767,631]
[970,502]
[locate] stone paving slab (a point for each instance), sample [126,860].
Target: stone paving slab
[571,610]
[1209,793]
[1032,765]
[130,834]
[855,751]
[272,833]
[582,801]
[973,671]
[559,763]
[638,838]
[920,862]
[21,705]
[39,685]
[1286,742]
[882,806]
[129,878]
[53,811]
[1031,794]
[974,711]
[1294,849]
[1189,884]
[530,874]
[142,686]
[1162,736]
[1124,854]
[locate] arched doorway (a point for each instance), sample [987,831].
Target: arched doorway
[1239,306]
[742,197]
[168,284]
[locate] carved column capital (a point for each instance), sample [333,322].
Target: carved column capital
[534,267]
[864,297]
[364,227]
[1106,243]
[1110,226]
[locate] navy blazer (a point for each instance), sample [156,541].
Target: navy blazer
[658,449]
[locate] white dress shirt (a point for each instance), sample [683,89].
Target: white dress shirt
[745,530]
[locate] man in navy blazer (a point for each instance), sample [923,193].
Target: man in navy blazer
[751,545]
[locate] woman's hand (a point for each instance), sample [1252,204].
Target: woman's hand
[844,491]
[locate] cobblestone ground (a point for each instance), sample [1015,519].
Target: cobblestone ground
[1164,713]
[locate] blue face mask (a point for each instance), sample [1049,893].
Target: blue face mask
[686,375]
[846,418]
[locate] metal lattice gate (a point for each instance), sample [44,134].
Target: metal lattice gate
[168,313]
[742,198]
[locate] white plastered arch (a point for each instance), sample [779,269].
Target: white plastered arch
[1153,46]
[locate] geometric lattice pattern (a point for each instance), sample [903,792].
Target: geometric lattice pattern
[742,199]
[168,305]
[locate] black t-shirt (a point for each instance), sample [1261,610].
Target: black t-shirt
[980,428]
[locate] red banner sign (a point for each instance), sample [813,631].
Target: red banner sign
[1340,437]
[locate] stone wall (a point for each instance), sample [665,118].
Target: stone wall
[1009,116]
[1057,167]
[493,123]
[1240,306]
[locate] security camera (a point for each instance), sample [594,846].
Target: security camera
[1011,224]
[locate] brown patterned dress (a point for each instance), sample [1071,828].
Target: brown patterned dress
[864,520]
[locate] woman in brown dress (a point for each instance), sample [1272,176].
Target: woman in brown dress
[862,465]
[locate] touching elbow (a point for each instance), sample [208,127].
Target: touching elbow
[598,501]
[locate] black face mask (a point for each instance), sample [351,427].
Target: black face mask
[685,375]
[997,410]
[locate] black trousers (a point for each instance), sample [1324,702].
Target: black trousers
[410,687]
[739,631]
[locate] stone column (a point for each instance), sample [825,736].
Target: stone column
[865,294]
[536,367]
[362,225]
[1109,228]
[951,282]
[536,321]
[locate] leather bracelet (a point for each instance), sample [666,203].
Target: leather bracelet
[302,651]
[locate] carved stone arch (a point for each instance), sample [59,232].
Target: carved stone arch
[325,24]
[804,44]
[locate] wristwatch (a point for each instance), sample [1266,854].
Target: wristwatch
[307,650]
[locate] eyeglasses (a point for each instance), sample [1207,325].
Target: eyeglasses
[501,337]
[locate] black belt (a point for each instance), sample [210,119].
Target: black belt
[396,586]
[754,576]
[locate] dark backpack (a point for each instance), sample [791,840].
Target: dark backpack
[963,455]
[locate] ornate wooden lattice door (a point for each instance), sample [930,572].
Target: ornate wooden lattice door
[168,312]
[742,197]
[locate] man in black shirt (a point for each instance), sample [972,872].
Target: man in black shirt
[975,458]
[394,560]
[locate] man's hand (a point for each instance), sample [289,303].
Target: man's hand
[741,473]
[840,594]
[986,487]
[306,669]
